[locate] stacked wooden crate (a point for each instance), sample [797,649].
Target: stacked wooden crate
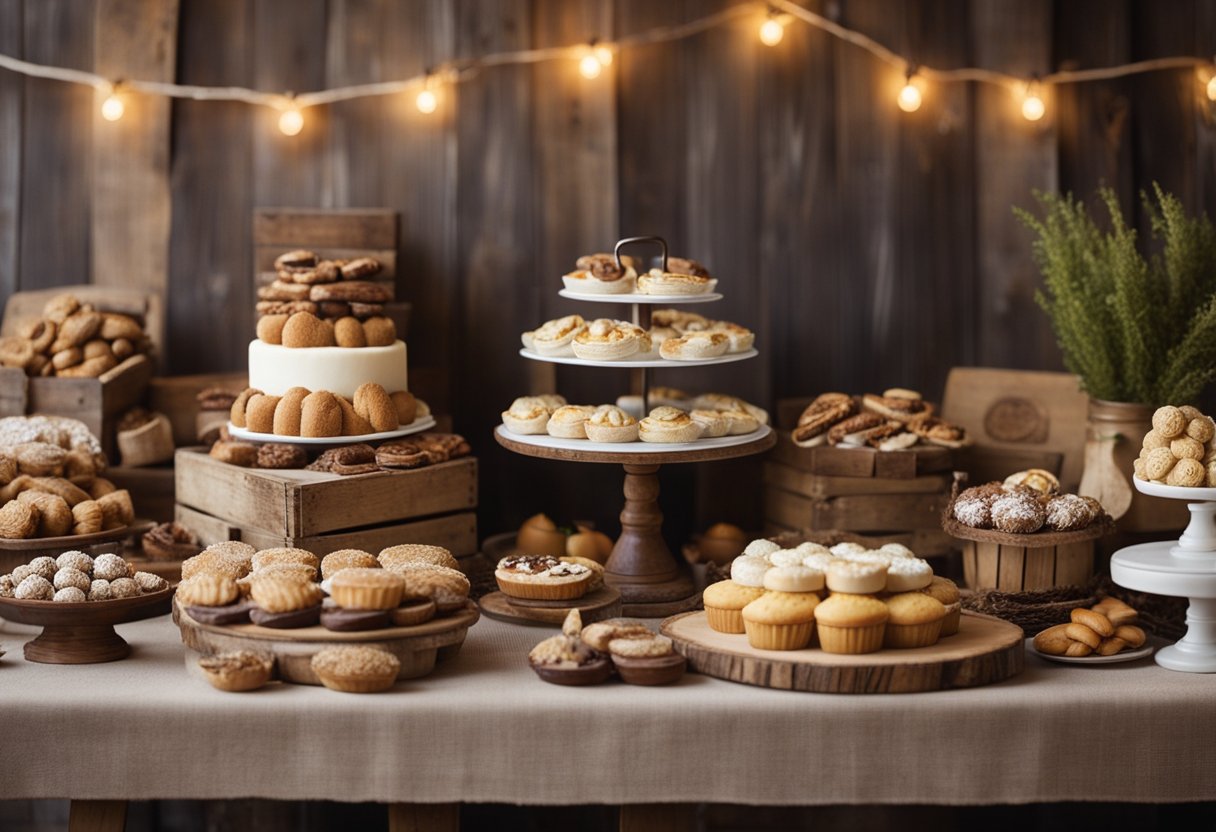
[888,496]
[324,512]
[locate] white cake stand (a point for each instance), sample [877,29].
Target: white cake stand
[1184,568]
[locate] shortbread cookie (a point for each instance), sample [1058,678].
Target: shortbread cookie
[320,415]
[372,402]
[275,593]
[207,589]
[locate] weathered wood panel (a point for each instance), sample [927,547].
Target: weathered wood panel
[12,88]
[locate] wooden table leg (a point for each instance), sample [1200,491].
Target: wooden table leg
[424,817]
[658,817]
[97,816]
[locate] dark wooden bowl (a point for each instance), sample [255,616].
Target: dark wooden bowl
[589,674]
[82,633]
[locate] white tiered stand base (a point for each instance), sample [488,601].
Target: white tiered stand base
[1184,568]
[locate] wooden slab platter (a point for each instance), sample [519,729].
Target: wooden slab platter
[418,647]
[985,650]
[598,605]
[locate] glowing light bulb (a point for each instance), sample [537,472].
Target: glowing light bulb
[604,55]
[590,66]
[1212,89]
[112,108]
[1033,107]
[427,101]
[291,122]
[909,98]
[771,32]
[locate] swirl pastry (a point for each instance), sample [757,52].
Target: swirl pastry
[611,424]
[569,421]
[679,320]
[600,274]
[554,337]
[740,338]
[819,417]
[714,423]
[527,415]
[607,340]
[659,282]
[670,425]
[898,404]
[695,346]
[721,401]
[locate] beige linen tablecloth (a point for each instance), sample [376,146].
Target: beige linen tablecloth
[483,728]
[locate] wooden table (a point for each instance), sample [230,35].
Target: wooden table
[484,729]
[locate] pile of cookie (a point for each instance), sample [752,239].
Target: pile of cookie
[329,289]
[304,329]
[415,451]
[232,583]
[896,420]
[307,413]
[603,274]
[74,577]
[73,340]
[589,655]
[551,414]
[1026,502]
[51,483]
[1180,449]
[1105,629]
[676,335]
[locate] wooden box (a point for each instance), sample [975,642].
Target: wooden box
[176,397]
[1021,568]
[324,512]
[152,490]
[98,402]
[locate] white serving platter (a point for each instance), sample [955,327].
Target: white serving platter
[543,440]
[650,359]
[417,426]
[637,297]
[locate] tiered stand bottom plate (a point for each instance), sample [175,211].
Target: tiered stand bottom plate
[1187,569]
[985,650]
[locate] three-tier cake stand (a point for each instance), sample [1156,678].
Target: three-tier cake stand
[652,583]
[1184,568]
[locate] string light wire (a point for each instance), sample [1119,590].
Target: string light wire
[457,70]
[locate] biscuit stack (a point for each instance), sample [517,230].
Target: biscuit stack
[1180,449]
[73,340]
[896,420]
[329,289]
[1104,629]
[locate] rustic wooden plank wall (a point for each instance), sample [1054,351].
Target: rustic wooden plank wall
[868,247]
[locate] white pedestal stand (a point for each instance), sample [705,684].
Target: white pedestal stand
[1185,568]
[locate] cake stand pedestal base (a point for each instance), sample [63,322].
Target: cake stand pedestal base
[641,567]
[83,644]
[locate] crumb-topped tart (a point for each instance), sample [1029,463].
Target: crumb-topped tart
[542,577]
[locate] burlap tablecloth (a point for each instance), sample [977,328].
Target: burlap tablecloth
[483,728]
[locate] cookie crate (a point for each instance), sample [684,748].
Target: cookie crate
[894,495]
[323,512]
[98,402]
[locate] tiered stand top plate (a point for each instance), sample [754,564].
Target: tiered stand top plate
[636,297]
[417,426]
[633,363]
[637,453]
[985,650]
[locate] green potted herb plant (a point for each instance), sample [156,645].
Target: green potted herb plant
[1139,331]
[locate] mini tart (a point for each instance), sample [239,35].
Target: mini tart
[914,620]
[946,591]
[780,620]
[856,577]
[724,603]
[907,574]
[526,415]
[237,671]
[851,623]
[714,423]
[668,425]
[356,669]
[542,577]
[274,593]
[335,562]
[609,423]
[554,337]
[569,422]
[367,589]
[394,556]
[659,282]
[695,346]
[566,660]
[607,340]
[582,280]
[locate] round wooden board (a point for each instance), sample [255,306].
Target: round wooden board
[417,647]
[36,546]
[985,650]
[765,439]
[598,605]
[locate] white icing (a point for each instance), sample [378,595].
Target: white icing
[761,547]
[341,370]
[786,557]
[748,570]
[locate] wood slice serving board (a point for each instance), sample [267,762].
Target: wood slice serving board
[418,647]
[984,650]
[597,605]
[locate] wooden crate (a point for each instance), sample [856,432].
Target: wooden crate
[175,396]
[152,490]
[862,462]
[1022,568]
[327,510]
[98,402]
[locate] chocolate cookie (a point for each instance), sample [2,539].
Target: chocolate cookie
[342,620]
[351,291]
[234,613]
[292,620]
[278,455]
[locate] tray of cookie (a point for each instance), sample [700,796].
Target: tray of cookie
[409,602]
[616,277]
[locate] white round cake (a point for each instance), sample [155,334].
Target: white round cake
[341,370]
